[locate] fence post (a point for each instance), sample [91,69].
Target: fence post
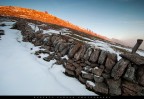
[135,48]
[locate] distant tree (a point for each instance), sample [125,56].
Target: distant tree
[46,12]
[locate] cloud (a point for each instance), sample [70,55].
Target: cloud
[132,22]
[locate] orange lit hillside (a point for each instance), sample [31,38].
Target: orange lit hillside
[42,16]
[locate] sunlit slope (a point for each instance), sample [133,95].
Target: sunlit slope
[44,17]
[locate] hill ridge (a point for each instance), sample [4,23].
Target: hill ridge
[43,17]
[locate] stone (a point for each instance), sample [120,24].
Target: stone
[94,56]
[128,92]
[59,62]
[53,38]
[93,65]
[69,72]
[87,76]
[70,67]
[90,85]
[97,71]
[70,61]
[63,46]
[2,32]
[76,65]
[87,69]
[65,51]
[109,65]
[98,79]
[83,51]
[57,41]
[57,46]
[140,75]
[82,80]
[135,58]
[73,50]
[114,87]
[71,40]
[112,56]
[102,57]
[46,59]
[78,71]
[88,63]
[119,69]
[83,64]
[106,75]
[101,88]
[131,88]
[88,53]
[77,55]
[130,74]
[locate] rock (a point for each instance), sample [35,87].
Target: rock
[88,53]
[98,79]
[101,88]
[83,51]
[76,65]
[114,87]
[135,58]
[88,69]
[59,62]
[87,76]
[88,63]
[102,67]
[82,80]
[69,72]
[93,65]
[106,75]
[71,40]
[97,71]
[70,61]
[77,55]
[65,51]
[57,46]
[53,38]
[63,46]
[128,92]
[132,89]
[110,62]
[73,50]
[39,56]
[94,56]
[83,64]
[70,67]
[140,75]
[90,85]
[46,59]
[78,71]
[130,74]
[57,41]
[102,57]
[2,32]
[119,69]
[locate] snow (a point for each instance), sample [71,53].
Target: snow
[83,72]
[50,31]
[33,26]
[22,73]
[91,83]
[104,46]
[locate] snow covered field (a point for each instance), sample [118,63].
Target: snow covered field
[22,73]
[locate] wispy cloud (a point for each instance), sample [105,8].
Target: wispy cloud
[132,22]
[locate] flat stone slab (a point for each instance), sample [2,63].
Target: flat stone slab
[135,58]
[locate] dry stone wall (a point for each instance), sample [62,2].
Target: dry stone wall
[98,70]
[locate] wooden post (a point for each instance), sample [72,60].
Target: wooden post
[135,48]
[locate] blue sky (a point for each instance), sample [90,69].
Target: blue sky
[121,19]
